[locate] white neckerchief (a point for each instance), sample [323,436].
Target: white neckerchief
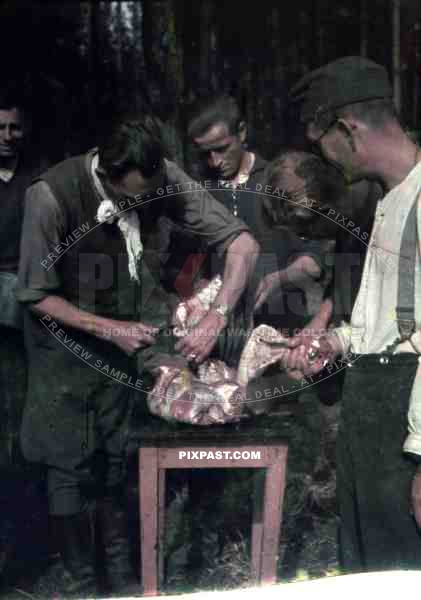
[127,221]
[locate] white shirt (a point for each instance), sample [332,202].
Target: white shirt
[373,321]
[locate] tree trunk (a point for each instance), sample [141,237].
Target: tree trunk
[207,61]
[363,28]
[164,64]
[396,54]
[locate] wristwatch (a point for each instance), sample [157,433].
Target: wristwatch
[223,310]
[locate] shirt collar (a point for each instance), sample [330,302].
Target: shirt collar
[7,175]
[242,176]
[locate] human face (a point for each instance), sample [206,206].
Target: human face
[221,151]
[11,132]
[304,211]
[334,146]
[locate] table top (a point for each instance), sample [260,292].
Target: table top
[265,428]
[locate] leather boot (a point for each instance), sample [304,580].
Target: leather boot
[112,518]
[74,540]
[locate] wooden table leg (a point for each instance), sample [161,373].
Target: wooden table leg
[161,526]
[257,525]
[272,516]
[148,512]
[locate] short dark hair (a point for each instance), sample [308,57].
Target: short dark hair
[11,97]
[322,182]
[209,111]
[133,143]
[374,113]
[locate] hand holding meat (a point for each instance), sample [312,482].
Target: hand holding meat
[196,325]
[308,355]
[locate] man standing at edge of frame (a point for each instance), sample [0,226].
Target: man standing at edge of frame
[349,114]
[18,166]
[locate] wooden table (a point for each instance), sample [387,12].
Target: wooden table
[259,444]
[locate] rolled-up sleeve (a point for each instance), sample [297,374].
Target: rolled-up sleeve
[41,233]
[198,213]
[413,441]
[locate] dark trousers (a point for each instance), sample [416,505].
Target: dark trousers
[12,392]
[101,466]
[76,424]
[12,397]
[377,530]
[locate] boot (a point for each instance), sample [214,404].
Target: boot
[75,543]
[113,525]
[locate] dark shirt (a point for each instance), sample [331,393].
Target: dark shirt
[287,307]
[176,245]
[244,201]
[47,225]
[50,224]
[12,196]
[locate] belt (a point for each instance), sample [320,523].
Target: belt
[367,361]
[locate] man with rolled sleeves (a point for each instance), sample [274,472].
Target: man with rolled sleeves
[349,115]
[86,220]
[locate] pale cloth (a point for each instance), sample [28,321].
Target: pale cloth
[373,321]
[127,221]
[7,175]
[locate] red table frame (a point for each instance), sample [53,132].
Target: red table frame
[154,460]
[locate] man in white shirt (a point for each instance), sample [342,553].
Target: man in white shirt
[349,115]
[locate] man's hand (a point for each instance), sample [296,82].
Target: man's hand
[416,496]
[302,270]
[199,343]
[195,312]
[131,336]
[309,354]
[300,345]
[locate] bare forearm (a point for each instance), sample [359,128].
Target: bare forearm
[323,317]
[240,261]
[129,336]
[67,314]
[298,272]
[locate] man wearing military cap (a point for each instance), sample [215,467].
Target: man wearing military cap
[349,116]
